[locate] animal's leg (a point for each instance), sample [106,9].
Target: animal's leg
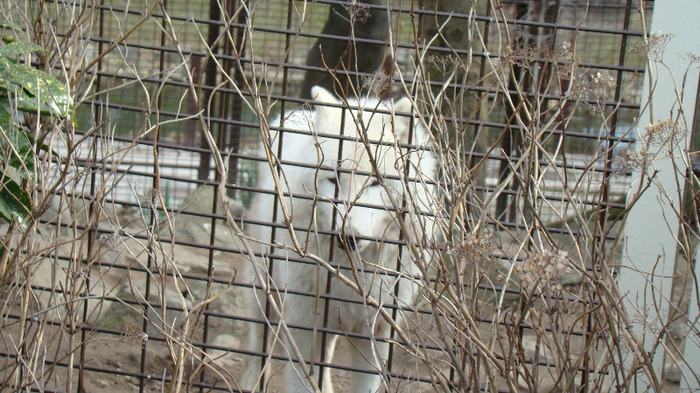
[257,368]
[253,370]
[307,340]
[331,340]
[368,356]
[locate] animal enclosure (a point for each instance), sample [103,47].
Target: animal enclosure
[499,139]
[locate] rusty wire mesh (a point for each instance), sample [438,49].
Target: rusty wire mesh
[153,237]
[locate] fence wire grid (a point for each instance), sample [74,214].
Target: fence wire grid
[520,122]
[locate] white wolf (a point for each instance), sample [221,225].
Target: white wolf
[360,180]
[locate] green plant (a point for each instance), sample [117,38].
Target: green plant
[25,91]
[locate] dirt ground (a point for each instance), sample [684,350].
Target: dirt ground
[116,351]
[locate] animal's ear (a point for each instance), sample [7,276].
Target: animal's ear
[321,95]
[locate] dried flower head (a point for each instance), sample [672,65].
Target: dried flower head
[564,61]
[528,56]
[525,56]
[112,239]
[654,47]
[358,12]
[663,132]
[594,90]
[133,333]
[299,116]
[544,268]
[630,160]
[693,59]
[149,198]
[376,83]
[476,251]
[565,51]
[446,63]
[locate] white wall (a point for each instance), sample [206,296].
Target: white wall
[653,224]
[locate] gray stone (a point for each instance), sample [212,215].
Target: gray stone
[197,229]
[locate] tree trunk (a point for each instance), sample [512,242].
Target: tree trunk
[343,57]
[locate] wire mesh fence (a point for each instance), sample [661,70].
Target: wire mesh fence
[443,213]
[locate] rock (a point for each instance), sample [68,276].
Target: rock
[545,381]
[542,352]
[78,211]
[197,229]
[225,358]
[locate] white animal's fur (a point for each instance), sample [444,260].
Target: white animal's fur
[339,190]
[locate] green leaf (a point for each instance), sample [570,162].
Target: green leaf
[10,26]
[14,202]
[19,155]
[4,115]
[23,101]
[35,81]
[18,48]
[22,159]
[30,104]
[48,94]
[6,65]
